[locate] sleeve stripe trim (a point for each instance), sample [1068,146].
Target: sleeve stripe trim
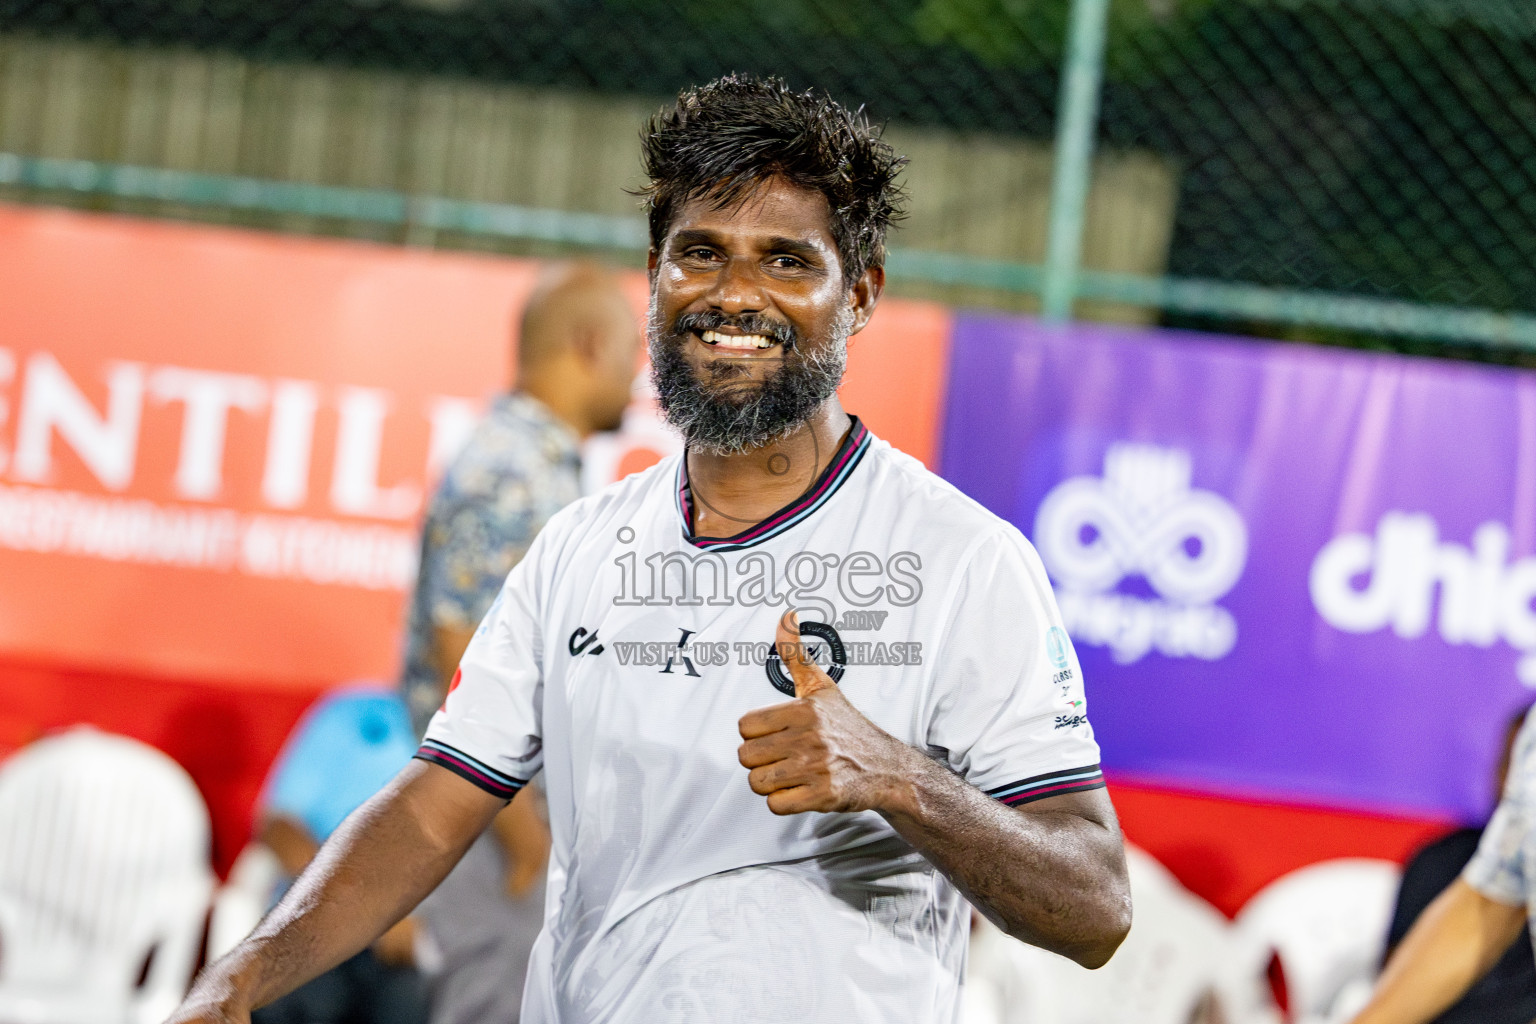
[467,773]
[1050,780]
[473,762]
[468,768]
[1063,790]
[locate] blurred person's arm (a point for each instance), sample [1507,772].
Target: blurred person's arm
[290,841]
[373,870]
[397,946]
[475,540]
[519,829]
[296,848]
[1468,927]
[524,838]
[448,644]
[1453,944]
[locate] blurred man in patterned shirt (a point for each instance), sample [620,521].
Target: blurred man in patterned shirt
[1470,926]
[576,360]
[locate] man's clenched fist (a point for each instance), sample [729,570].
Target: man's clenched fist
[817,752]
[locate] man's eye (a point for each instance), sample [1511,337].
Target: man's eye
[786,261]
[698,254]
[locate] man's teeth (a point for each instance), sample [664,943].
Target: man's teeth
[741,341]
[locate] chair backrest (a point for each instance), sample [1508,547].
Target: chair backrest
[246,895]
[104,879]
[1169,963]
[1328,923]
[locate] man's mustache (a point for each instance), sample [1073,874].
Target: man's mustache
[752,323]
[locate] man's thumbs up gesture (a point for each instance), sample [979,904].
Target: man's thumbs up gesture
[817,752]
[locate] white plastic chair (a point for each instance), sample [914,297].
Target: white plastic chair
[244,898]
[1168,964]
[103,870]
[1328,922]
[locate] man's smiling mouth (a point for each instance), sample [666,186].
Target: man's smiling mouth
[736,342]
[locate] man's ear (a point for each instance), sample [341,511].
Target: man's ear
[652,259]
[587,343]
[865,295]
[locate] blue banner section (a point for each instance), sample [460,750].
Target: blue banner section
[1288,571]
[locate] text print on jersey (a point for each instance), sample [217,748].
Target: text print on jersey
[687,655]
[817,584]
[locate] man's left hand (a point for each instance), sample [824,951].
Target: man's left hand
[818,752]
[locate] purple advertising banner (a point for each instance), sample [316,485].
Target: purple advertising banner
[1289,571]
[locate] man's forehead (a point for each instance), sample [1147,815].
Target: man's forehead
[774,208]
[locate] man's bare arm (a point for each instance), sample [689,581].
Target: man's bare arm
[374,869]
[521,833]
[1456,941]
[1051,873]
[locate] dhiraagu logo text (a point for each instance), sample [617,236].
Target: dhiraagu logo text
[1143,519]
[1362,583]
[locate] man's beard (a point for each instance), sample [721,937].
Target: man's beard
[715,417]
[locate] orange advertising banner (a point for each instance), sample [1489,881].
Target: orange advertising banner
[215,445]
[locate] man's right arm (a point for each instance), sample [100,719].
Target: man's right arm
[1456,941]
[374,869]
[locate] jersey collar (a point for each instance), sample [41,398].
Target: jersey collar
[841,466]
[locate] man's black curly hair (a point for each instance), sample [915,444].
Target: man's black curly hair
[724,139]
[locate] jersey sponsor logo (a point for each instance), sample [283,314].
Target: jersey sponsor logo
[830,654]
[1363,583]
[1142,519]
[582,643]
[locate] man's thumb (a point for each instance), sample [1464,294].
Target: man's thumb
[807,675]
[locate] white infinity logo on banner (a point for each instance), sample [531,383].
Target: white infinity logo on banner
[1142,519]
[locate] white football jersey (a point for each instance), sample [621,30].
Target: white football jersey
[621,655]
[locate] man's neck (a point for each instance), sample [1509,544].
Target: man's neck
[732,493]
[562,402]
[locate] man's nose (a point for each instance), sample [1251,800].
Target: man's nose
[737,289]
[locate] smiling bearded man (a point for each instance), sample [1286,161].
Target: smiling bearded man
[720,853]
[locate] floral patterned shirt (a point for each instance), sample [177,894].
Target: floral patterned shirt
[520,466]
[1504,867]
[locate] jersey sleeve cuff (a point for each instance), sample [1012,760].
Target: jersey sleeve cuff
[470,769]
[1057,783]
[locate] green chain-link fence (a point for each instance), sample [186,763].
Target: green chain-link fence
[1310,168]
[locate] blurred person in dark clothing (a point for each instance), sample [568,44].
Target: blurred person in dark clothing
[578,351]
[1507,993]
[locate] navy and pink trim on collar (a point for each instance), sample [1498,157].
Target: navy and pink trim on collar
[844,460]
